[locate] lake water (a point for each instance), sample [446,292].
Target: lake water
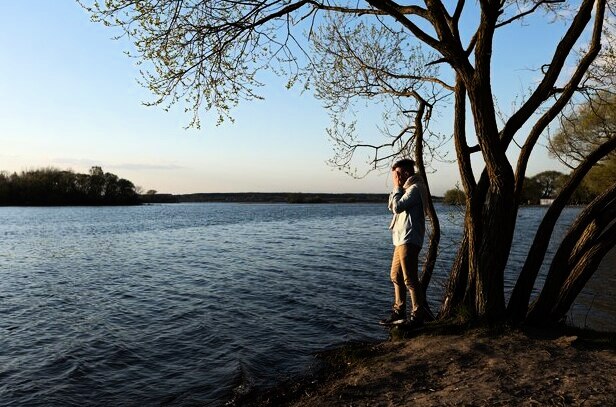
[187,304]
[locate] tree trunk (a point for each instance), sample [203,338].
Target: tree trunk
[489,251]
[457,283]
[480,263]
[493,214]
[477,277]
[458,278]
[431,255]
[583,235]
[492,220]
[435,234]
[520,297]
[580,274]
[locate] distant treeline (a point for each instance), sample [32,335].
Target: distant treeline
[545,186]
[51,187]
[266,197]
[269,197]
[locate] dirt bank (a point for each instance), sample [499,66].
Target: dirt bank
[481,367]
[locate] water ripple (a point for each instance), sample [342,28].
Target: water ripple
[191,304]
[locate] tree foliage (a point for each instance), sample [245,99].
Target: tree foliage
[50,187]
[582,131]
[454,197]
[409,60]
[544,185]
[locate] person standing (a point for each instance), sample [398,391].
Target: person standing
[407,202]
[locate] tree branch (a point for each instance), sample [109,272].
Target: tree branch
[581,19]
[459,135]
[525,13]
[556,108]
[560,267]
[520,297]
[393,9]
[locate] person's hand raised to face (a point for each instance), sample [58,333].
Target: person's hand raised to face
[399,177]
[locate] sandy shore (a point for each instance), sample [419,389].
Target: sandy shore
[449,366]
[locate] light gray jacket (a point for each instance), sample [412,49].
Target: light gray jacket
[408,225]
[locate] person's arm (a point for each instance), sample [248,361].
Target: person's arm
[401,200]
[390,203]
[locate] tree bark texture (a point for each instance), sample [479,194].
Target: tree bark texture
[580,274]
[520,297]
[491,235]
[584,245]
[457,282]
[492,220]
[435,234]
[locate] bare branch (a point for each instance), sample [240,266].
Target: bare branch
[459,135]
[544,89]
[564,98]
[393,9]
[528,12]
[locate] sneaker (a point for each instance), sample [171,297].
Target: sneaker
[414,322]
[396,318]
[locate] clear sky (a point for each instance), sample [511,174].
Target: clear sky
[69,99]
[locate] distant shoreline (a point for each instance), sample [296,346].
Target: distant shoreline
[228,197]
[268,197]
[277,197]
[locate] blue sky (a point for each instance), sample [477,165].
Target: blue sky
[70,99]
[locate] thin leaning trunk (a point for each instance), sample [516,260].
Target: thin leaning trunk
[590,226]
[435,235]
[580,274]
[453,299]
[520,297]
